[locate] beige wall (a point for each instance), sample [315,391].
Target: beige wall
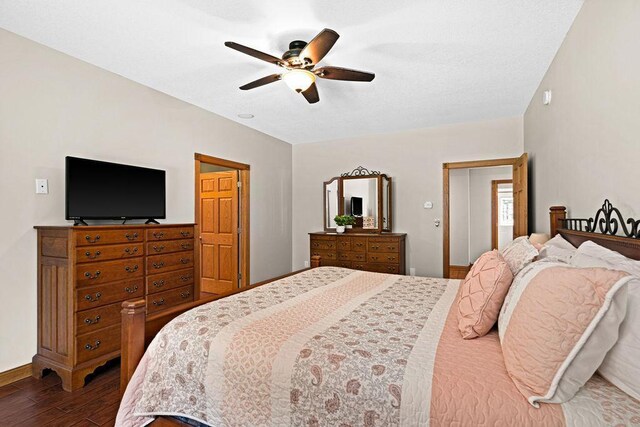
[585,146]
[52,105]
[414,160]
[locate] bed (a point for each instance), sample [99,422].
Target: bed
[339,347]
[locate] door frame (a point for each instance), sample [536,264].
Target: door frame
[244,240]
[446,167]
[494,209]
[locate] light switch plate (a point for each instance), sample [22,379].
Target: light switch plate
[42,186]
[428,205]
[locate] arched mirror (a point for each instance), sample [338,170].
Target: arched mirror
[363,194]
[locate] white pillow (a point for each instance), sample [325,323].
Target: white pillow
[621,366]
[518,254]
[557,249]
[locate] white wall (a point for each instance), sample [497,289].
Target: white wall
[52,105]
[414,160]
[459,217]
[585,146]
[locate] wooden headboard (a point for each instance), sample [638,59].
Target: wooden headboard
[604,229]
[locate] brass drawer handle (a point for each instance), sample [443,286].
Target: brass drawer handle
[131,291]
[131,237]
[158,248]
[90,240]
[131,252]
[316,244]
[358,244]
[185,233]
[375,247]
[158,235]
[391,248]
[330,245]
[185,294]
[158,284]
[391,268]
[391,258]
[131,269]
[92,276]
[185,278]
[92,347]
[93,298]
[185,260]
[159,302]
[93,321]
[185,246]
[375,258]
[158,264]
[96,255]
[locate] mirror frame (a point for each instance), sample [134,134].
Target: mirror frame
[360,173]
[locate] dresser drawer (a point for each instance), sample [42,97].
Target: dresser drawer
[159,234]
[166,281]
[97,296]
[326,255]
[96,318]
[352,256]
[97,343]
[169,262]
[163,247]
[359,244]
[345,264]
[108,271]
[105,237]
[164,300]
[103,253]
[344,243]
[323,245]
[388,258]
[383,268]
[383,245]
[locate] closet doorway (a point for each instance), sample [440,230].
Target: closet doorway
[222,223]
[474,193]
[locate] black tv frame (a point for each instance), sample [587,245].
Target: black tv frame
[77,220]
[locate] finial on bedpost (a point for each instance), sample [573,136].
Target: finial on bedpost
[132,344]
[556,213]
[315,261]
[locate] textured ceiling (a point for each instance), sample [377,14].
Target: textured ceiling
[436,61]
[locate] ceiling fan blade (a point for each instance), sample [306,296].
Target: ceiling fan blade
[255,53]
[317,48]
[311,94]
[261,82]
[337,73]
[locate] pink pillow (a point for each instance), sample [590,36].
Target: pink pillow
[481,295]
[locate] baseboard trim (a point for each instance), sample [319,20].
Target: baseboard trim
[15,374]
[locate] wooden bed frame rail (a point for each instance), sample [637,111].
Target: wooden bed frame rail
[138,329]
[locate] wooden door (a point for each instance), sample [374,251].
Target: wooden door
[218,231]
[521,196]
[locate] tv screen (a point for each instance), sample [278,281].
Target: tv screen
[102,190]
[356,206]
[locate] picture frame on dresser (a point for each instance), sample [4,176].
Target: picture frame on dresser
[84,276]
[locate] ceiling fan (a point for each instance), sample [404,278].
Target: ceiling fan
[299,62]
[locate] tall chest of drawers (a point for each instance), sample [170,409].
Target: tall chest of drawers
[380,252]
[84,275]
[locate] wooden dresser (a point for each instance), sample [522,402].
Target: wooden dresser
[381,252]
[84,275]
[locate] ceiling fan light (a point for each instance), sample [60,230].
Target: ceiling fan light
[299,80]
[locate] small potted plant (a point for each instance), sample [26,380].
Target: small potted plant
[342,221]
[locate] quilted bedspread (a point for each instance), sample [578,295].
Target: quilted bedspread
[337,347]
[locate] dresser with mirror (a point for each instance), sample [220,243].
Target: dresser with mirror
[370,243]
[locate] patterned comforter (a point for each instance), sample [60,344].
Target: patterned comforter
[337,347]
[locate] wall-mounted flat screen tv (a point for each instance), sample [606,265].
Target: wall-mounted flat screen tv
[102,190]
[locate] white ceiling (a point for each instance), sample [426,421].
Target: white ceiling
[436,61]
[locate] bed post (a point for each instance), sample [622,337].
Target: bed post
[556,213]
[133,330]
[315,261]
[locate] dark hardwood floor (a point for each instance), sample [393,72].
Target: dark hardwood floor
[32,402]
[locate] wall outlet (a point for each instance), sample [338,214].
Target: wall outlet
[412,271]
[306,264]
[42,186]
